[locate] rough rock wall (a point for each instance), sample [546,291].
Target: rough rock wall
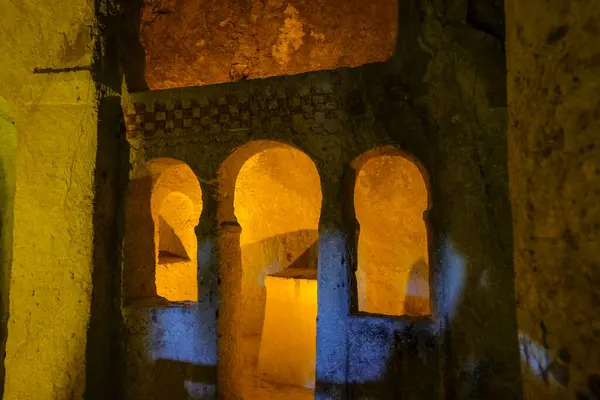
[51,98]
[171,353]
[201,42]
[441,99]
[554,86]
[466,99]
[449,77]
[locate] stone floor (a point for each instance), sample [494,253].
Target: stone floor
[255,388]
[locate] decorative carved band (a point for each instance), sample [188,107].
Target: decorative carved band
[236,111]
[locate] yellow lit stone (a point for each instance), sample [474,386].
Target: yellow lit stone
[393,263]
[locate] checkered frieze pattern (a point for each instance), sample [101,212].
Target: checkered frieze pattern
[264,109]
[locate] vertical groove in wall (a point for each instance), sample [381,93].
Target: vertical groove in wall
[103,352]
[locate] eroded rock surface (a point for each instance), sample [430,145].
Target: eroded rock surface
[202,42]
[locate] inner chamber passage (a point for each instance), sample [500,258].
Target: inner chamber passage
[176,208]
[277,204]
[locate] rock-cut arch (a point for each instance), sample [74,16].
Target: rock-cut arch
[271,193]
[391,200]
[164,206]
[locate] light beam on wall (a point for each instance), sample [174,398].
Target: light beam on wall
[452,277]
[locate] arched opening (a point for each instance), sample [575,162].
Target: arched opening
[161,245]
[390,201]
[277,203]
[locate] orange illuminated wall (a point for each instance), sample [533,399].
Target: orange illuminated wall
[203,42]
[165,202]
[390,199]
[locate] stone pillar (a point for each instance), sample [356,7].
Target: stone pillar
[139,249]
[8,148]
[553,54]
[335,249]
[229,367]
[207,232]
[46,79]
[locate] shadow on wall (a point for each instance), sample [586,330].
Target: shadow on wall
[417,296]
[132,54]
[308,259]
[110,180]
[183,380]
[4,270]
[171,353]
[388,368]
[170,245]
[8,146]
[480,371]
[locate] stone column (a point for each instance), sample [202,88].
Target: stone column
[8,148]
[553,54]
[229,368]
[335,250]
[55,112]
[207,233]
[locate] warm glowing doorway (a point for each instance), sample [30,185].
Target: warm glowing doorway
[277,203]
